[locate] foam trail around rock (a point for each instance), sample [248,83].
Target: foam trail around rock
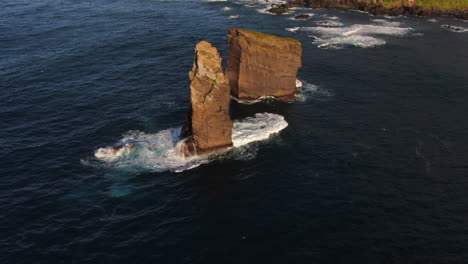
[257,128]
[159,152]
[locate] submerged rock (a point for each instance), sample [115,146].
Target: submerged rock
[260,65]
[210,126]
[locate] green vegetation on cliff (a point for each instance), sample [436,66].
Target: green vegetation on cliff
[261,35]
[438,4]
[444,4]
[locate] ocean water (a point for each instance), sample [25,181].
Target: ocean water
[371,168]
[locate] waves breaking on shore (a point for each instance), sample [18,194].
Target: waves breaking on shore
[332,35]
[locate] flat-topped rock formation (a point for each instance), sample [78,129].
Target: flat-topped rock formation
[261,65]
[210,126]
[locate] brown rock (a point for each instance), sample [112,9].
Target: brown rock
[210,127]
[279,9]
[296,3]
[260,65]
[303,16]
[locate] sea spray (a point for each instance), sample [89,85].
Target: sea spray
[162,151]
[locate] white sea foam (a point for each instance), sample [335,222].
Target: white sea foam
[307,91]
[256,128]
[346,41]
[293,29]
[361,29]
[298,83]
[159,151]
[359,35]
[330,17]
[455,28]
[329,23]
[226,8]
[386,22]
[233,16]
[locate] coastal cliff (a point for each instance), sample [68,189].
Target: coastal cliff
[210,127]
[457,8]
[260,65]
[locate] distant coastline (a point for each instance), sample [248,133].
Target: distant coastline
[456,8]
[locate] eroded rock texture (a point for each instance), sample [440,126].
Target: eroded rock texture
[210,126]
[261,65]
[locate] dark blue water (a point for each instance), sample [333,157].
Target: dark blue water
[373,167]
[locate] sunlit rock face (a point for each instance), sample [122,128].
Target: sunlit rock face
[260,65]
[210,126]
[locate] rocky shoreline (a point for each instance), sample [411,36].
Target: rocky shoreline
[375,7]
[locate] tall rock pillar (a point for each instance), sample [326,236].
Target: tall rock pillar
[210,128]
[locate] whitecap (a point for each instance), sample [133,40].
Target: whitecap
[349,41]
[293,29]
[160,151]
[298,83]
[233,16]
[226,8]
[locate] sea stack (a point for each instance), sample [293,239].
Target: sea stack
[260,65]
[210,126]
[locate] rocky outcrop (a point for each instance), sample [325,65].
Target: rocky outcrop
[210,126]
[458,9]
[302,17]
[279,9]
[260,65]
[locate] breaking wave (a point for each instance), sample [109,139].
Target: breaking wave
[159,152]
